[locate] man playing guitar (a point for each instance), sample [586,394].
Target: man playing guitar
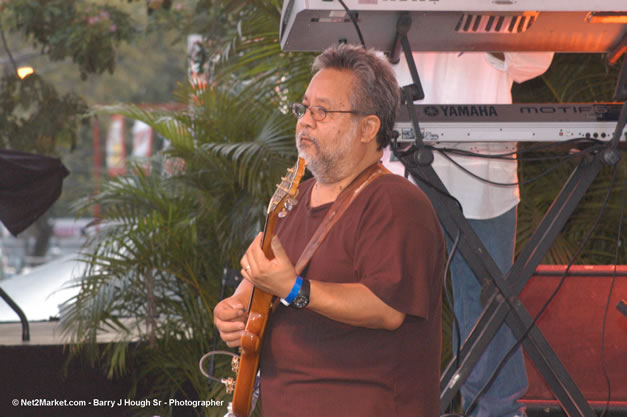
[358,332]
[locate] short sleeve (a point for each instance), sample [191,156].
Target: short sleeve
[400,248]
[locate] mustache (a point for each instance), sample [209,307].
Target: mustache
[304,133]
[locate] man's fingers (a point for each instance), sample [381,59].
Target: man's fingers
[230,314]
[231,330]
[230,326]
[228,309]
[232,339]
[234,344]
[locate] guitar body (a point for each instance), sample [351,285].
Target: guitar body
[261,301]
[260,306]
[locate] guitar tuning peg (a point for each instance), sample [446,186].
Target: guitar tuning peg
[229,383]
[282,213]
[292,202]
[235,364]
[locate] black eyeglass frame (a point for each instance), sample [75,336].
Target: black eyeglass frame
[324,111]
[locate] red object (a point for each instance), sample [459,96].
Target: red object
[573,325]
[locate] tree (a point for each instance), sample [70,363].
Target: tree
[88,34]
[167,236]
[46,112]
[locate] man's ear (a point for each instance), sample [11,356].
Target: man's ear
[369,126]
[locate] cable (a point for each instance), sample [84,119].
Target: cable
[539,146]
[607,306]
[352,17]
[495,373]
[229,383]
[563,160]
[532,148]
[400,154]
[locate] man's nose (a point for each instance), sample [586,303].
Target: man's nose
[307,119]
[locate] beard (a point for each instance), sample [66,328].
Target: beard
[326,163]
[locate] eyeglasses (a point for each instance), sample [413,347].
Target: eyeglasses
[317,113]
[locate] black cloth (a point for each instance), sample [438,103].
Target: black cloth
[29,185]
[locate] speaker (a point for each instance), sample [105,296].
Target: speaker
[573,324]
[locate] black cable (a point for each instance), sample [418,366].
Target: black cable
[534,148]
[540,146]
[398,153]
[513,349]
[563,160]
[352,18]
[607,305]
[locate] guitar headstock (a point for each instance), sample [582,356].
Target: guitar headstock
[286,190]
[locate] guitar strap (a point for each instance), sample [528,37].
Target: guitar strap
[341,203]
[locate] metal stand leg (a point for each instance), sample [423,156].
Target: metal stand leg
[19,312]
[504,304]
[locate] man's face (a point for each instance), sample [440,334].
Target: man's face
[327,144]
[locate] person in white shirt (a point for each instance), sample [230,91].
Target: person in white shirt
[480,78]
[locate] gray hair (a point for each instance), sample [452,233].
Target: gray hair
[376,90]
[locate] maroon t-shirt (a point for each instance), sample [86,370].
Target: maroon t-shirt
[390,240]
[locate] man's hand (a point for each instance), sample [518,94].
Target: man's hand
[229,318]
[276,276]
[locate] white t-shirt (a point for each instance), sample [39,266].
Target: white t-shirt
[473,78]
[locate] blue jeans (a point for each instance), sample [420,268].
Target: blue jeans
[498,236]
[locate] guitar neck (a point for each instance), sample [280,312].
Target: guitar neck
[266,246]
[268,234]
[261,301]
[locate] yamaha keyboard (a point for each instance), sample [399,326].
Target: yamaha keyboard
[532,122]
[460,25]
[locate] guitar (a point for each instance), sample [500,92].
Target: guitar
[261,301]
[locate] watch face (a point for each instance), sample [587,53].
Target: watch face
[300,301]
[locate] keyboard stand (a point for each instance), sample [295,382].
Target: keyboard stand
[504,305]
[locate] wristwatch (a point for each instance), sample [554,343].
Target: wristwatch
[302,298]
